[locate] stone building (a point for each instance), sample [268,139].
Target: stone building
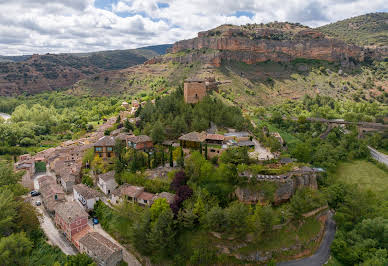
[194,90]
[71,219]
[86,196]
[101,249]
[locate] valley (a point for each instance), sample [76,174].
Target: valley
[245,145]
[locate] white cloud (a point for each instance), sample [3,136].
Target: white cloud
[40,26]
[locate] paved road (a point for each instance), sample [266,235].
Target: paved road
[127,257]
[322,255]
[378,156]
[54,236]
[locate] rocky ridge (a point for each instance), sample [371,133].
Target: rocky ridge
[253,43]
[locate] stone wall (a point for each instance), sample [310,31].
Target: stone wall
[286,186]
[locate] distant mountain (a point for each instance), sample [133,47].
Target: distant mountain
[366,30]
[31,74]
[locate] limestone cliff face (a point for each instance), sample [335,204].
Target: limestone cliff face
[286,186]
[251,44]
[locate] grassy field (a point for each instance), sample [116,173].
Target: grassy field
[366,174]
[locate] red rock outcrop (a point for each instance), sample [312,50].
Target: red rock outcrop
[281,42]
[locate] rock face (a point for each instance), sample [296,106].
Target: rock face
[279,42]
[286,186]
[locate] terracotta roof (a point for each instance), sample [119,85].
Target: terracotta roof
[165,195]
[215,137]
[86,192]
[132,191]
[45,180]
[67,177]
[128,190]
[70,211]
[194,136]
[146,196]
[138,139]
[77,236]
[102,247]
[107,176]
[123,136]
[105,141]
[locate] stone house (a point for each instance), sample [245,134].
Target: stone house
[214,139]
[70,218]
[67,180]
[145,198]
[106,182]
[104,147]
[51,193]
[133,194]
[192,140]
[141,142]
[86,196]
[29,168]
[100,249]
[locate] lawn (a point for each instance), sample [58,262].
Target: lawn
[363,173]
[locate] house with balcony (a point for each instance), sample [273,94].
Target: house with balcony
[86,196]
[71,219]
[104,147]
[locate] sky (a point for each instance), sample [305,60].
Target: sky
[62,26]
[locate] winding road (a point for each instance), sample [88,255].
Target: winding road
[321,256]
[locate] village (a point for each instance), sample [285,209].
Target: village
[66,202]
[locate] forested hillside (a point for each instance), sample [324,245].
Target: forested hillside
[369,29]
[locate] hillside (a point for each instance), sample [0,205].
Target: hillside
[254,64]
[36,73]
[366,30]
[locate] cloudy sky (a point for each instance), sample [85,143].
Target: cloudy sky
[55,26]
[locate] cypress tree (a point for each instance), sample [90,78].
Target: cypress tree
[171,158]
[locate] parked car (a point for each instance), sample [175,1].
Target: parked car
[38,203]
[34,193]
[95,221]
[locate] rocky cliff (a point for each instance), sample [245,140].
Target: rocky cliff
[285,186]
[278,42]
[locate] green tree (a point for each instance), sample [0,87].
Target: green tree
[160,205]
[162,235]
[15,249]
[140,232]
[80,260]
[215,219]
[157,133]
[8,214]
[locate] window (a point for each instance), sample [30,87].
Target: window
[145,201]
[109,149]
[55,197]
[98,149]
[108,154]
